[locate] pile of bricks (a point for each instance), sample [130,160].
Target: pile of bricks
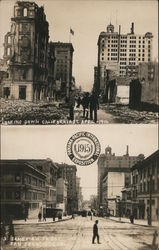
[18,110]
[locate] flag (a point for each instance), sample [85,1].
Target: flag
[71,31]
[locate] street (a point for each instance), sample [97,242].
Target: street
[76,234]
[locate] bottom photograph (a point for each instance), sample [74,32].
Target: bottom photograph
[79,187]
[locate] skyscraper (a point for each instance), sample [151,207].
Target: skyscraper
[120,54]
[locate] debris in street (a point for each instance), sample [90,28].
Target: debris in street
[123,114]
[18,110]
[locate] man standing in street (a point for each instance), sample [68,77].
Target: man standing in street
[94,106]
[71,105]
[95,233]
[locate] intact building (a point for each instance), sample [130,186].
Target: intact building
[121,53]
[145,188]
[68,172]
[51,171]
[26,52]
[23,189]
[61,194]
[63,68]
[113,175]
[79,193]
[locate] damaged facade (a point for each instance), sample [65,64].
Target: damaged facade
[25,52]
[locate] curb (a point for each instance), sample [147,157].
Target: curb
[41,223]
[131,223]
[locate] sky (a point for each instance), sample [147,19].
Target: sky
[87,18]
[41,142]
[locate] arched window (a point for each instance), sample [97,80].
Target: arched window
[9,39]
[25,12]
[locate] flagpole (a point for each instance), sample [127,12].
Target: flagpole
[70,36]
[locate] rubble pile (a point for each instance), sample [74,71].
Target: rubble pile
[18,110]
[123,114]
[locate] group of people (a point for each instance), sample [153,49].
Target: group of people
[89,104]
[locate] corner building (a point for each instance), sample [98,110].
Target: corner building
[25,53]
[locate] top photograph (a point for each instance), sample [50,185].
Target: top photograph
[78,62]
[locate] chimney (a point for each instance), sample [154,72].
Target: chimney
[132,28]
[127,150]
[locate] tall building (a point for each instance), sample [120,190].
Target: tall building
[79,193]
[120,53]
[26,52]
[63,68]
[68,172]
[113,175]
[61,194]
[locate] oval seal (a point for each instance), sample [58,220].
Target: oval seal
[83,148]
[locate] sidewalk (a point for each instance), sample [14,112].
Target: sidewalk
[35,221]
[136,221]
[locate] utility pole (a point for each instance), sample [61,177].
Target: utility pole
[150,202]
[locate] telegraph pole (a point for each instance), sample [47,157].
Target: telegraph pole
[150,203]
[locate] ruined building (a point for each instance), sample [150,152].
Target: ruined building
[25,53]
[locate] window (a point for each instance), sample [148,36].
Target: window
[8,51]
[24,74]
[153,186]
[17,195]
[8,195]
[25,12]
[22,92]
[17,177]
[9,39]
[34,196]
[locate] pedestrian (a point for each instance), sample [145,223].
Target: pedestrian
[54,216]
[11,235]
[132,218]
[91,215]
[85,104]
[39,216]
[3,230]
[78,102]
[44,216]
[71,105]
[95,233]
[94,106]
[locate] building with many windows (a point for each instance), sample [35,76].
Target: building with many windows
[61,194]
[26,53]
[145,187]
[63,68]
[121,53]
[114,173]
[23,188]
[68,172]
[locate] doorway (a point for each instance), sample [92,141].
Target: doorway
[22,92]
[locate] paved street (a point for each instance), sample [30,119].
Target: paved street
[77,235]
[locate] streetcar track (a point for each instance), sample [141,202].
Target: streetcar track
[120,245]
[77,233]
[106,241]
